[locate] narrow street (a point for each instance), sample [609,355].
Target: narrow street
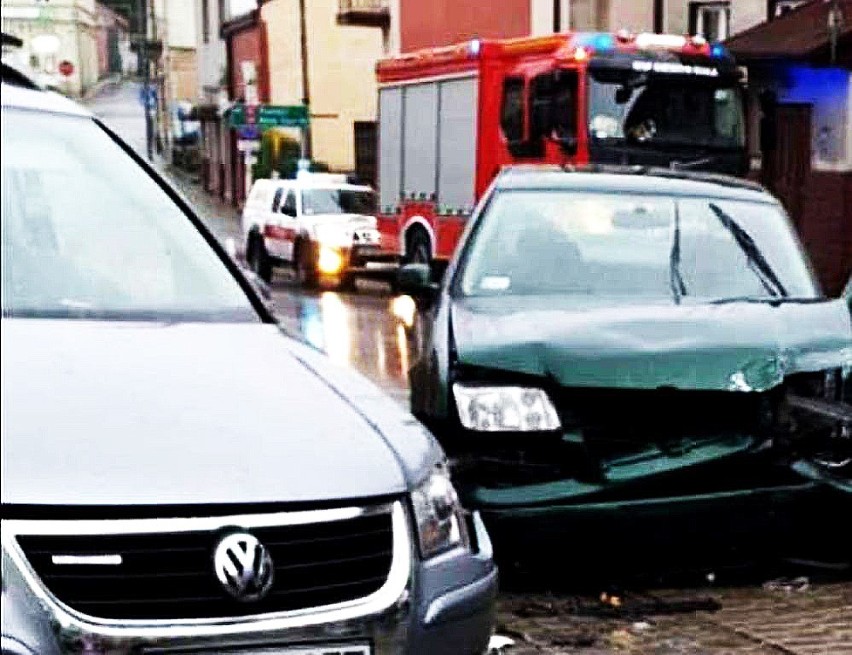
[718,613]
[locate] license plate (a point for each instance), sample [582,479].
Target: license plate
[306,650]
[329,649]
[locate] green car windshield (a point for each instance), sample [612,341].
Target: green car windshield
[685,249]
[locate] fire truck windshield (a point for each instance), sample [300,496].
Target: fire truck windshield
[650,109]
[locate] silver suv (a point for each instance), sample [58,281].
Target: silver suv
[179,475]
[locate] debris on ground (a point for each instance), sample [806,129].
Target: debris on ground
[498,643]
[788,585]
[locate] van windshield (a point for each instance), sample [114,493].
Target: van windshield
[338,201]
[88,234]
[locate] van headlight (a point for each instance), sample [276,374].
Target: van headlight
[505,409]
[439,515]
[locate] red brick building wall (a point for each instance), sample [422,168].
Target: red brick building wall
[825,227]
[443,22]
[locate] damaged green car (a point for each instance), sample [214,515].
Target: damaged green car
[616,350]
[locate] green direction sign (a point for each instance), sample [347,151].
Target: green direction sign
[270,116]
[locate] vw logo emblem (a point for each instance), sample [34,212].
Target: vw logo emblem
[243,567]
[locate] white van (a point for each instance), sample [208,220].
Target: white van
[319,224]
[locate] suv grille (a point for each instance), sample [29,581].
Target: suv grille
[171,575]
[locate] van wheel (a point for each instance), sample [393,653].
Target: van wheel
[258,260]
[347,283]
[306,272]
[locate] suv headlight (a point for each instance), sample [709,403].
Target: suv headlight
[439,515]
[505,409]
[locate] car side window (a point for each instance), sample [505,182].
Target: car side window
[289,206]
[276,200]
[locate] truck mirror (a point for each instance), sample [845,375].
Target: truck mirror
[416,280]
[623,95]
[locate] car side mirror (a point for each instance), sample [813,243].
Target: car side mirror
[623,95]
[568,143]
[415,280]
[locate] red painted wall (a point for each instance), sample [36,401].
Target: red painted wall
[249,45]
[425,24]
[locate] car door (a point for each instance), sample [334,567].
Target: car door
[288,217]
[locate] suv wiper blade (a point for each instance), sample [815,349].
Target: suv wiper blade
[757,262]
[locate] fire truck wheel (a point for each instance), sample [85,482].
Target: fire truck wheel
[306,272]
[258,260]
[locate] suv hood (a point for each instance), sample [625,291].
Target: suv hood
[350,221]
[108,413]
[736,346]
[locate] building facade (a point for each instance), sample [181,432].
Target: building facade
[53,33]
[416,24]
[344,39]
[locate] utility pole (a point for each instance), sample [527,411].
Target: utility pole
[659,16]
[557,16]
[146,73]
[306,93]
[835,23]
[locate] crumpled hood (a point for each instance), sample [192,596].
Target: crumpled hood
[737,346]
[109,413]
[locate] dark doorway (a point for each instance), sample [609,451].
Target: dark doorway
[366,145]
[788,166]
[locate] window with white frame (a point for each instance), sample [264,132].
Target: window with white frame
[712,20]
[781,7]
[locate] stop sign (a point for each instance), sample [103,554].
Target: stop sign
[66,68]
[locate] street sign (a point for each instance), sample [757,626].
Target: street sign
[66,68]
[266,116]
[248,132]
[248,145]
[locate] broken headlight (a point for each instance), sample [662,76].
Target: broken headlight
[439,515]
[505,409]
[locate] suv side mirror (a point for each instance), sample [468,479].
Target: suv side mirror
[416,280]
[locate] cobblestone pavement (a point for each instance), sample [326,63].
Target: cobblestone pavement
[756,620]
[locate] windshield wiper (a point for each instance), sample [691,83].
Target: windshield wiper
[774,300]
[756,261]
[676,282]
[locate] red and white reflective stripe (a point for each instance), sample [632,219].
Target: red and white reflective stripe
[278,232]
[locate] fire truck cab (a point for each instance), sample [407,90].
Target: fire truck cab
[450,118]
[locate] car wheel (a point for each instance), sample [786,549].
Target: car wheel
[258,260]
[306,272]
[347,283]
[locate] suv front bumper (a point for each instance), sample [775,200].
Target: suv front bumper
[444,605]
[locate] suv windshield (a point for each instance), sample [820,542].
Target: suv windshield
[637,246]
[665,110]
[87,233]
[337,201]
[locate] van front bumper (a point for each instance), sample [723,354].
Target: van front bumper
[443,605]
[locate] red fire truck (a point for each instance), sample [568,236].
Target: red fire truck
[450,118]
